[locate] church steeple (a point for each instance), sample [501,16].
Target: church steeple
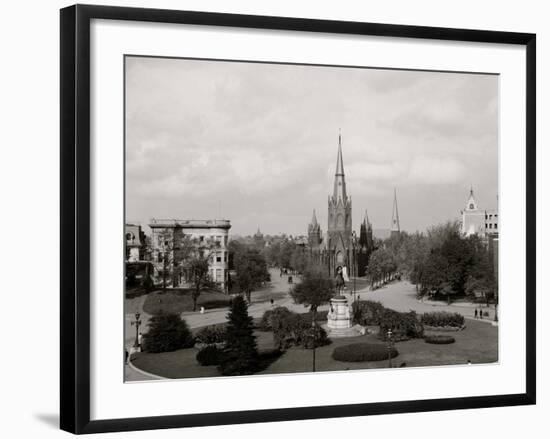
[395,229]
[472,203]
[314,219]
[339,191]
[366,219]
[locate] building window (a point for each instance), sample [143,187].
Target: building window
[218,257]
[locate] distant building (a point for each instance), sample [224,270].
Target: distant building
[476,221]
[135,243]
[173,241]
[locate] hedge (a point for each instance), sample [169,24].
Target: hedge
[292,329]
[367,312]
[443,318]
[358,352]
[265,323]
[403,326]
[211,334]
[167,332]
[439,339]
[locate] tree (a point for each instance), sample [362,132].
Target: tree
[381,265]
[250,270]
[200,279]
[240,353]
[167,332]
[298,260]
[315,289]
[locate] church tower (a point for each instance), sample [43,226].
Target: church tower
[366,245]
[314,233]
[339,215]
[395,229]
[473,219]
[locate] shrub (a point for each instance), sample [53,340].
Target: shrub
[266,323]
[209,356]
[167,332]
[321,316]
[321,337]
[443,318]
[439,339]
[403,326]
[357,352]
[367,312]
[292,329]
[211,334]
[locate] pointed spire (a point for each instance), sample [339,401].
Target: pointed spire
[395,214]
[314,219]
[339,160]
[339,192]
[366,219]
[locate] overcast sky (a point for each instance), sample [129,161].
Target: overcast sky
[257,143]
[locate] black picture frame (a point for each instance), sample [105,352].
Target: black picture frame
[75,217]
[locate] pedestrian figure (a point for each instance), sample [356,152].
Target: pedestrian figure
[140,338]
[476,314]
[202,309]
[272,301]
[480,313]
[125,356]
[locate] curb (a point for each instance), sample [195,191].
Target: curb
[150,375]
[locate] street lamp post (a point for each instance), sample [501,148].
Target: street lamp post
[390,346]
[137,324]
[313,336]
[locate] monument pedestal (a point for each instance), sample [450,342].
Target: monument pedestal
[339,322]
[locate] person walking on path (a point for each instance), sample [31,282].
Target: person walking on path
[475,314]
[480,313]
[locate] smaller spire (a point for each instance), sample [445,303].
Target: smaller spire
[314,219]
[366,219]
[395,214]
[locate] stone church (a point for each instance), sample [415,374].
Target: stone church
[339,247]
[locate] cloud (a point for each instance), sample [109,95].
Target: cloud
[262,139]
[436,170]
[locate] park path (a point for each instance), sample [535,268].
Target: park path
[401,296]
[279,290]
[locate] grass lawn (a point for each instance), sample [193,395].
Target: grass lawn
[183,363]
[477,343]
[178,301]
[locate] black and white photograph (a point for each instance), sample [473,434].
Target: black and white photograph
[294,218]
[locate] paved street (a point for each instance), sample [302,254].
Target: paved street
[401,296]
